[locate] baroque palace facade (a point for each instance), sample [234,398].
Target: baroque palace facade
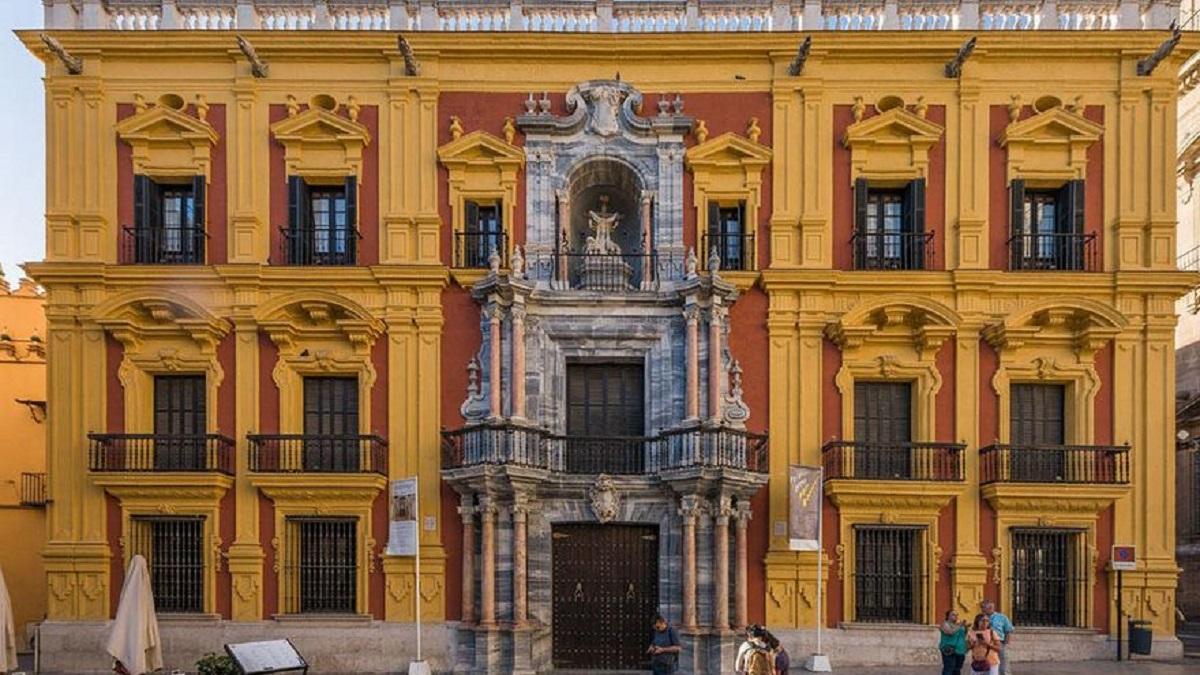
[598,274]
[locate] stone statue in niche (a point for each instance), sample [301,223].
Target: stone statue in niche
[604,268]
[605,106]
[603,224]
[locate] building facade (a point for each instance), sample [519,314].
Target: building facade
[23,478]
[598,288]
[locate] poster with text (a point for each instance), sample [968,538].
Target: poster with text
[402,519]
[804,507]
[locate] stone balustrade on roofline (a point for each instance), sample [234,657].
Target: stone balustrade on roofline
[617,16]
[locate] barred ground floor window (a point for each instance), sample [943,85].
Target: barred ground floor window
[1049,577]
[889,575]
[174,553]
[320,574]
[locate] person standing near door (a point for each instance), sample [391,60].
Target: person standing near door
[664,647]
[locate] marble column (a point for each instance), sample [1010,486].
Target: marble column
[518,361]
[520,514]
[487,582]
[561,245]
[690,506]
[495,317]
[648,270]
[721,563]
[467,511]
[692,315]
[715,316]
[742,520]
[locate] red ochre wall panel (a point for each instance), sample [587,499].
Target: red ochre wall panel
[831,429]
[226,407]
[989,432]
[116,564]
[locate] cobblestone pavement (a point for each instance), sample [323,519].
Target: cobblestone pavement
[1185,667]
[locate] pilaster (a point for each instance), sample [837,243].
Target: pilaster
[245,554]
[249,188]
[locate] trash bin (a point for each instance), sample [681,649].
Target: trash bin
[1141,637]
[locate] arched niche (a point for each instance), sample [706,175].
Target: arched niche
[593,181]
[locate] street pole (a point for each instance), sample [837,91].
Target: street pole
[1120,614]
[418,667]
[819,662]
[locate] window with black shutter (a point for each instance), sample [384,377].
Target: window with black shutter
[727,234]
[168,222]
[180,423]
[1048,227]
[322,223]
[482,233]
[320,567]
[605,418]
[174,552]
[331,424]
[882,429]
[888,574]
[1037,430]
[889,227]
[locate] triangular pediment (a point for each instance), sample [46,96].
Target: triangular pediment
[317,125]
[1056,124]
[163,124]
[898,125]
[480,147]
[729,149]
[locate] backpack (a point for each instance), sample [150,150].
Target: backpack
[759,663]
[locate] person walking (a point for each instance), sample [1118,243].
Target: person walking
[664,647]
[1003,626]
[952,643]
[985,646]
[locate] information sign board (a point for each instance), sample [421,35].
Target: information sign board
[268,656]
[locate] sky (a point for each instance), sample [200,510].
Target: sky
[22,142]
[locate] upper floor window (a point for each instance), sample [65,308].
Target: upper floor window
[331,440]
[180,423]
[1047,228]
[728,235]
[322,222]
[889,227]
[482,233]
[883,429]
[168,222]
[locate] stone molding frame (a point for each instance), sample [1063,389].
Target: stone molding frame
[168,142]
[171,495]
[162,334]
[894,339]
[320,144]
[313,495]
[484,167]
[892,146]
[319,333]
[1054,342]
[728,167]
[1049,148]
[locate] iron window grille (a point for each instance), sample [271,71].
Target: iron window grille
[1049,578]
[168,223]
[889,574]
[174,552]
[33,489]
[320,573]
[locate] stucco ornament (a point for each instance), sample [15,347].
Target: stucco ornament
[604,104]
[605,501]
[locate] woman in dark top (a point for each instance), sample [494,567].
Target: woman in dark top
[664,647]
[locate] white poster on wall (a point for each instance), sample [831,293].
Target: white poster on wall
[402,521]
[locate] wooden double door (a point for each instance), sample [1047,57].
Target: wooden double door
[605,595]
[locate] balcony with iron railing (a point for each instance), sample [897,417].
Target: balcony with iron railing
[534,448]
[1054,464]
[1070,252]
[163,246]
[473,250]
[606,272]
[734,252]
[318,454]
[605,16]
[892,250]
[33,489]
[160,453]
[856,460]
[319,246]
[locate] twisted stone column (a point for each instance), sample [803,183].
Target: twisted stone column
[721,563]
[467,511]
[739,575]
[690,506]
[487,583]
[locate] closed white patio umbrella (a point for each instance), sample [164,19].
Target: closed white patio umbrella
[134,639]
[8,635]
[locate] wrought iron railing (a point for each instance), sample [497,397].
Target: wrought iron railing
[892,250]
[315,453]
[163,245]
[734,251]
[515,445]
[1053,251]
[33,489]
[1086,464]
[474,249]
[161,452]
[893,461]
[320,245]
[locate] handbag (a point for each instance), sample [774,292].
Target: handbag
[948,651]
[980,665]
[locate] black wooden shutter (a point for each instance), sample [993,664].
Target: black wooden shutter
[860,204]
[179,413]
[714,230]
[193,234]
[914,224]
[1016,222]
[299,224]
[142,187]
[1070,208]
[331,423]
[1037,414]
[471,209]
[349,235]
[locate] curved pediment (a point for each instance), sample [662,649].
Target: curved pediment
[1084,324]
[134,318]
[604,109]
[318,315]
[923,322]
[1051,145]
[893,145]
[321,143]
[168,142]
